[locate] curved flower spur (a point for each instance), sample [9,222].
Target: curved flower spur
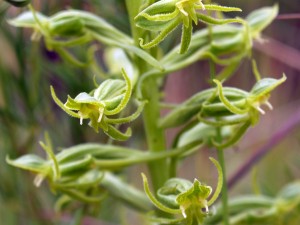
[164,16]
[109,99]
[184,198]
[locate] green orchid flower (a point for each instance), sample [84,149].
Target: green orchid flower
[240,113]
[109,99]
[231,109]
[164,16]
[258,96]
[189,201]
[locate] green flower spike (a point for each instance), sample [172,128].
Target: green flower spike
[188,200]
[165,15]
[109,99]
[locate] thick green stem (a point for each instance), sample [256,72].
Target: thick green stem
[155,135]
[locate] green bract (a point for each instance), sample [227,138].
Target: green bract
[165,15]
[109,99]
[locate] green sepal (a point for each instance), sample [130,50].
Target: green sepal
[118,135]
[261,18]
[186,37]
[109,89]
[89,179]
[26,19]
[66,27]
[168,193]
[156,17]
[265,86]
[32,163]
[199,132]
[76,165]
[155,201]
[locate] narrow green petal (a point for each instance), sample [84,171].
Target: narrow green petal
[221,8]
[220,182]
[235,138]
[186,37]
[226,102]
[61,105]
[128,118]
[115,134]
[161,36]
[214,21]
[155,201]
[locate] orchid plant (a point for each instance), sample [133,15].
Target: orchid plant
[134,66]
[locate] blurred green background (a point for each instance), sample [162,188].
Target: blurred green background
[27,70]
